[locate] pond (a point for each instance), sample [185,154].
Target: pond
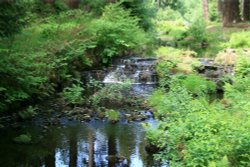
[96,143]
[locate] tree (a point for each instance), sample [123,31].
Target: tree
[231,12]
[246,10]
[12,14]
[205,9]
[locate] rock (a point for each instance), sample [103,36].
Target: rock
[45,127]
[128,115]
[1,126]
[101,115]
[114,121]
[23,139]
[86,117]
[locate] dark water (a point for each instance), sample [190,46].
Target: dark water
[86,144]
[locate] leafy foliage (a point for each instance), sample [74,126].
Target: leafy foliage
[144,10]
[116,32]
[198,85]
[113,115]
[239,40]
[73,94]
[242,68]
[12,14]
[21,80]
[111,94]
[28,113]
[200,133]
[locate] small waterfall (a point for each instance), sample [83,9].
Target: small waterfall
[116,76]
[139,71]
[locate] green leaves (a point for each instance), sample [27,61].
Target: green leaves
[200,133]
[12,14]
[116,32]
[73,94]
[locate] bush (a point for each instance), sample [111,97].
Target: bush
[239,40]
[12,16]
[197,36]
[198,85]
[116,32]
[111,94]
[28,113]
[73,94]
[242,68]
[155,137]
[112,115]
[213,11]
[200,133]
[172,61]
[23,78]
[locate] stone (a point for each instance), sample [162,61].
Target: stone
[86,117]
[23,139]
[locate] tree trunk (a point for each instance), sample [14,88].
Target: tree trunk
[111,1]
[205,9]
[73,4]
[246,10]
[231,12]
[49,1]
[220,8]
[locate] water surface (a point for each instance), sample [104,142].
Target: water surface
[77,144]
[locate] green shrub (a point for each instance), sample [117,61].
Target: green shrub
[116,32]
[213,11]
[208,136]
[12,16]
[112,115]
[167,14]
[198,85]
[237,94]
[111,94]
[200,133]
[239,40]
[23,78]
[28,113]
[242,68]
[172,61]
[155,137]
[73,94]
[197,36]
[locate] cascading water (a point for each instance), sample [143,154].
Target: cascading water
[139,71]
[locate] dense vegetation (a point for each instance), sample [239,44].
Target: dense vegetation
[46,45]
[196,129]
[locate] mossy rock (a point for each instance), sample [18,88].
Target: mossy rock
[23,139]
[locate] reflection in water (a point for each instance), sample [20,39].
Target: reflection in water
[77,145]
